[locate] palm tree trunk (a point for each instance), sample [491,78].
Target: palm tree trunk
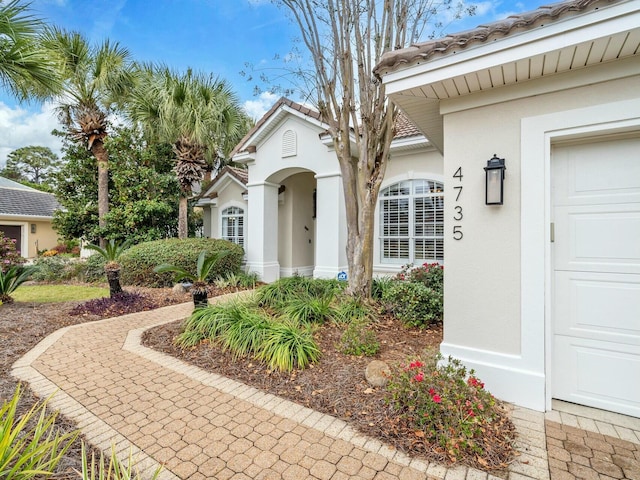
[102,158]
[113,277]
[183,229]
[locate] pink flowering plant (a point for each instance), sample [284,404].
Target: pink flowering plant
[429,274]
[9,254]
[448,409]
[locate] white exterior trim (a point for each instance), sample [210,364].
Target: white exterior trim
[24,233]
[388,267]
[537,135]
[229,204]
[572,30]
[302,271]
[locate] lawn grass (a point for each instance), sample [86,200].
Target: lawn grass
[57,293]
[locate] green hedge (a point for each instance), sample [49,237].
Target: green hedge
[139,261]
[413,303]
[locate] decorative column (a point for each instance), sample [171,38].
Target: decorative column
[262,231]
[331,227]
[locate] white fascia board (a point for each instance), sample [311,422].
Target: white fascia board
[415,142]
[244,157]
[512,48]
[25,218]
[276,118]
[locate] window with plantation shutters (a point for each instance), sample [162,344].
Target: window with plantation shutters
[412,222]
[233,225]
[289,144]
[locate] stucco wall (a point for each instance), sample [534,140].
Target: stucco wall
[483,269]
[44,238]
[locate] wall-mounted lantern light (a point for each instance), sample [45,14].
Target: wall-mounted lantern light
[494,186]
[33,228]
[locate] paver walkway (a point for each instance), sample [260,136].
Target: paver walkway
[200,425]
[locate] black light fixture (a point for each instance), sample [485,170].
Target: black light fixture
[494,185]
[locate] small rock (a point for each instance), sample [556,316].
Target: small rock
[377,373]
[179,288]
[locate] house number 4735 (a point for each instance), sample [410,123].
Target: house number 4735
[457,208]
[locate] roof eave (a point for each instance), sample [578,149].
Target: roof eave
[561,33]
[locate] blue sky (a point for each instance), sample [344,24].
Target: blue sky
[217,36]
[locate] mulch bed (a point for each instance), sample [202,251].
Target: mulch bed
[336,385]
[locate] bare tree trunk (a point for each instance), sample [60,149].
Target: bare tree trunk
[102,158]
[183,228]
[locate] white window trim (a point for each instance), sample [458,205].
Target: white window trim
[243,207]
[24,235]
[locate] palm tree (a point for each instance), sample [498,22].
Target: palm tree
[97,79]
[26,69]
[197,114]
[11,279]
[204,268]
[111,253]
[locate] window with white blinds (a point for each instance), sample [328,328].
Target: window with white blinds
[233,225]
[412,222]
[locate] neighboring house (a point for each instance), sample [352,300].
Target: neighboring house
[289,213]
[542,293]
[25,215]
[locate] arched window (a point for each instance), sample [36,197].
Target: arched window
[412,222]
[233,225]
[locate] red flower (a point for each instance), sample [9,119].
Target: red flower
[419,377]
[432,392]
[436,398]
[416,364]
[471,414]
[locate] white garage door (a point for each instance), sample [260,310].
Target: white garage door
[596,274]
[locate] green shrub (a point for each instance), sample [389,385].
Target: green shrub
[93,269]
[449,407]
[309,309]
[139,261]
[244,329]
[379,285]
[278,294]
[431,275]
[9,255]
[352,309]
[413,303]
[12,279]
[30,445]
[49,269]
[286,346]
[358,339]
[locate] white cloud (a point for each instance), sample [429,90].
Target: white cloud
[257,108]
[20,128]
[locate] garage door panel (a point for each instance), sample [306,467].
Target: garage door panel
[597,173]
[598,306]
[597,373]
[598,238]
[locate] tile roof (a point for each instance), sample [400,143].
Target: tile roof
[240,174]
[282,101]
[421,52]
[404,126]
[26,202]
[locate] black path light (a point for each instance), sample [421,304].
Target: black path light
[494,186]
